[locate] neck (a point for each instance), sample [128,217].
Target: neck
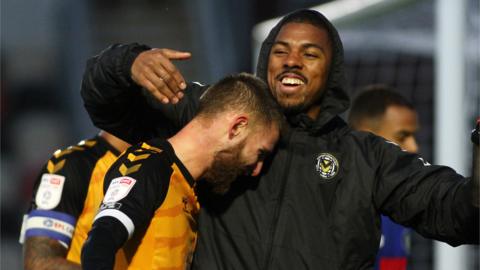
[194,148]
[313,112]
[114,141]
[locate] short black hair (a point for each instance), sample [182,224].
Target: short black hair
[372,102]
[242,92]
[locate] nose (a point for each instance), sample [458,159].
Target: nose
[258,168]
[293,60]
[411,145]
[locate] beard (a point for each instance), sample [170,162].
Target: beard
[297,103]
[226,167]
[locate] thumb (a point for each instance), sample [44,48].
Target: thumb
[177,55]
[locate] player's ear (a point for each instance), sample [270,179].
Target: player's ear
[238,127]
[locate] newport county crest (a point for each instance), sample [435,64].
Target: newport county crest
[327,165]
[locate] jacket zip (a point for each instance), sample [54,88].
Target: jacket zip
[273,227]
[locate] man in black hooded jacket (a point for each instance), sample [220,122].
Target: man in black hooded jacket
[318,203]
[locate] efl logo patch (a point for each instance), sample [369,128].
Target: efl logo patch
[327,165]
[50,190]
[55,225]
[118,189]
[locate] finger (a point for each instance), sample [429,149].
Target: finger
[168,80]
[161,86]
[176,55]
[155,93]
[173,72]
[168,65]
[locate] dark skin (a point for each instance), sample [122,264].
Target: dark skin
[154,71]
[398,124]
[45,253]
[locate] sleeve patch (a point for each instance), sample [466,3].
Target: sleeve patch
[56,225]
[50,190]
[120,216]
[118,189]
[21,240]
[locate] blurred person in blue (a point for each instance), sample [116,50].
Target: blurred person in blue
[317,205]
[380,110]
[66,197]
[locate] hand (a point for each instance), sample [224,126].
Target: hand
[154,71]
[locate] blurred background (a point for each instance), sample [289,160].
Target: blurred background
[45,44]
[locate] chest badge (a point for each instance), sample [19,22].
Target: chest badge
[327,165]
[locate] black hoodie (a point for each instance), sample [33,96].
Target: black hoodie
[318,202]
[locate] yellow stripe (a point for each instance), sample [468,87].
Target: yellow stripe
[149,147]
[124,170]
[53,168]
[133,157]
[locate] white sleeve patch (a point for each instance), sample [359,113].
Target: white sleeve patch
[120,216]
[118,189]
[50,190]
[21,240]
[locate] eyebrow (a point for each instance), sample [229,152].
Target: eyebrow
[305,46]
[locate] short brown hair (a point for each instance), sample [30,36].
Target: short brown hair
[242,92]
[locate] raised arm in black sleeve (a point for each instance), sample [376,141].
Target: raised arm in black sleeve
[118,105]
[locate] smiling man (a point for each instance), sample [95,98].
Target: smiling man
[318,204]
[299,66]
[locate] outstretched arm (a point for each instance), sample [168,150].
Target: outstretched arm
[433,200]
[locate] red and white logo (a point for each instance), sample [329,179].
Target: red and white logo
[50,191]
[55,180]
[118,189]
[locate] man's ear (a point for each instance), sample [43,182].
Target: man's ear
[238,126]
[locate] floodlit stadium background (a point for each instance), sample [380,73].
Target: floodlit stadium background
[427,50]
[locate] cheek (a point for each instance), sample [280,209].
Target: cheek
[248,158]
[319,72]
[271,70]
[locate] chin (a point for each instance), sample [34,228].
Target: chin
[290,107]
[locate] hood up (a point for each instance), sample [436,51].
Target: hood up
[334,99]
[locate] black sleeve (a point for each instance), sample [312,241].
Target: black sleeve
[74,169]
[135,189]
[433,200]
[116,104]
[129,203]
[109,94]
[104,240]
